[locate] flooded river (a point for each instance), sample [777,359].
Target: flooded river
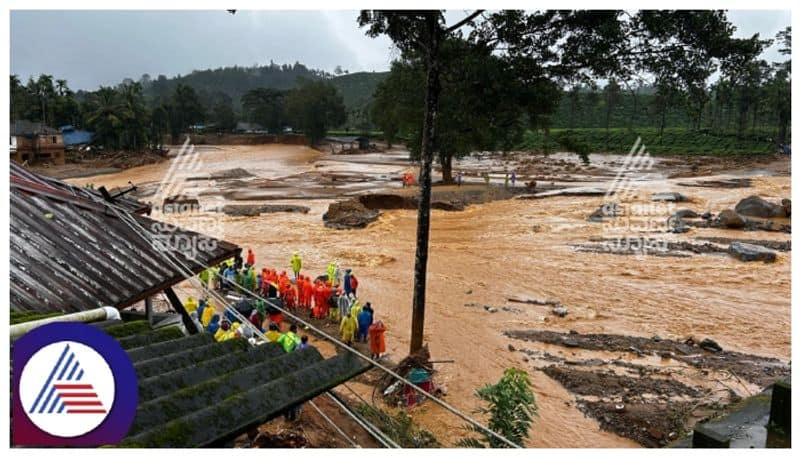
[493,251]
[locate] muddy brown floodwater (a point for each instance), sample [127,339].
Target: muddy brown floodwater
[496,250]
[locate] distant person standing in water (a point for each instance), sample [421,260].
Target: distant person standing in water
[486,178]
[513,179]
[459,178]
[505,182]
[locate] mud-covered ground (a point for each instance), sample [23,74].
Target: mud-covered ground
[500,248]
[652,390]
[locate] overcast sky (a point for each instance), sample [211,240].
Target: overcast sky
[90,48]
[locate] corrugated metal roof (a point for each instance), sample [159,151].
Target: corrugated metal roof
[23,127]
[195,392]
[69,253]
[19,172]
[74,137]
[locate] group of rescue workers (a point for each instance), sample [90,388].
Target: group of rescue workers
[331,296]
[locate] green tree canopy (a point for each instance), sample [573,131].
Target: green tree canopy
[315,107]
[266,107]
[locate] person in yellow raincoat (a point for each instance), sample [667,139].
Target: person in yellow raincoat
[204,277]
[355,309]
[208,313]
[252,278]
[297,264]
[190,305]
[224,328]
[347,329]
[332,273]
[273,333]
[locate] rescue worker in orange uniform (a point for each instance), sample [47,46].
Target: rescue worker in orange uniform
[307,289]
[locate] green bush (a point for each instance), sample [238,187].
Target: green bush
[511,409]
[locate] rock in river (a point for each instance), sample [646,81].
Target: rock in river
[669,197]
[756,206]
[255,210]
[750,252]
[349,214]
[729,219]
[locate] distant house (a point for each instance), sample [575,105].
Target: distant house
[249,127]
[74,137]
[35,142]
[346,143]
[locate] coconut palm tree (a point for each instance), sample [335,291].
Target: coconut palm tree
[105,117]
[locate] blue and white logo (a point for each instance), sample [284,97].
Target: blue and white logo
[73,386]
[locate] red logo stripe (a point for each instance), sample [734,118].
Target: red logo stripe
[86,411]
[77,394]
[73,386]
[83,403]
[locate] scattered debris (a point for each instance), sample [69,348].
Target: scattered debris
[534,301]
[568,191]
[180,200]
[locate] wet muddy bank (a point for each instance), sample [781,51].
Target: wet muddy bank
[761,371]
[660,391]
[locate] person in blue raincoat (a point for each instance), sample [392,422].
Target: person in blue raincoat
[364,321]
[213,326]
[230,278]
[201,306]
[346,282]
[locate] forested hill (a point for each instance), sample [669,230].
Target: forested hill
[356,88]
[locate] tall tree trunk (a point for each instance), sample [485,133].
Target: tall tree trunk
[447,168]
[783,124]
[632,119]
[433,88]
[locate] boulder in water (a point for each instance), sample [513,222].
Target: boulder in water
[349,214]
[255,210]
[669,197]
[728,218]
[756,206]
[451,205]
[751,252]
[787,206]
[606,210]
[685,214]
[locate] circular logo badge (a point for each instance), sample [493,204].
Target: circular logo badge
[76,393]
[74,385]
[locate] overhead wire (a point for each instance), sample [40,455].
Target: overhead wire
[188,274]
